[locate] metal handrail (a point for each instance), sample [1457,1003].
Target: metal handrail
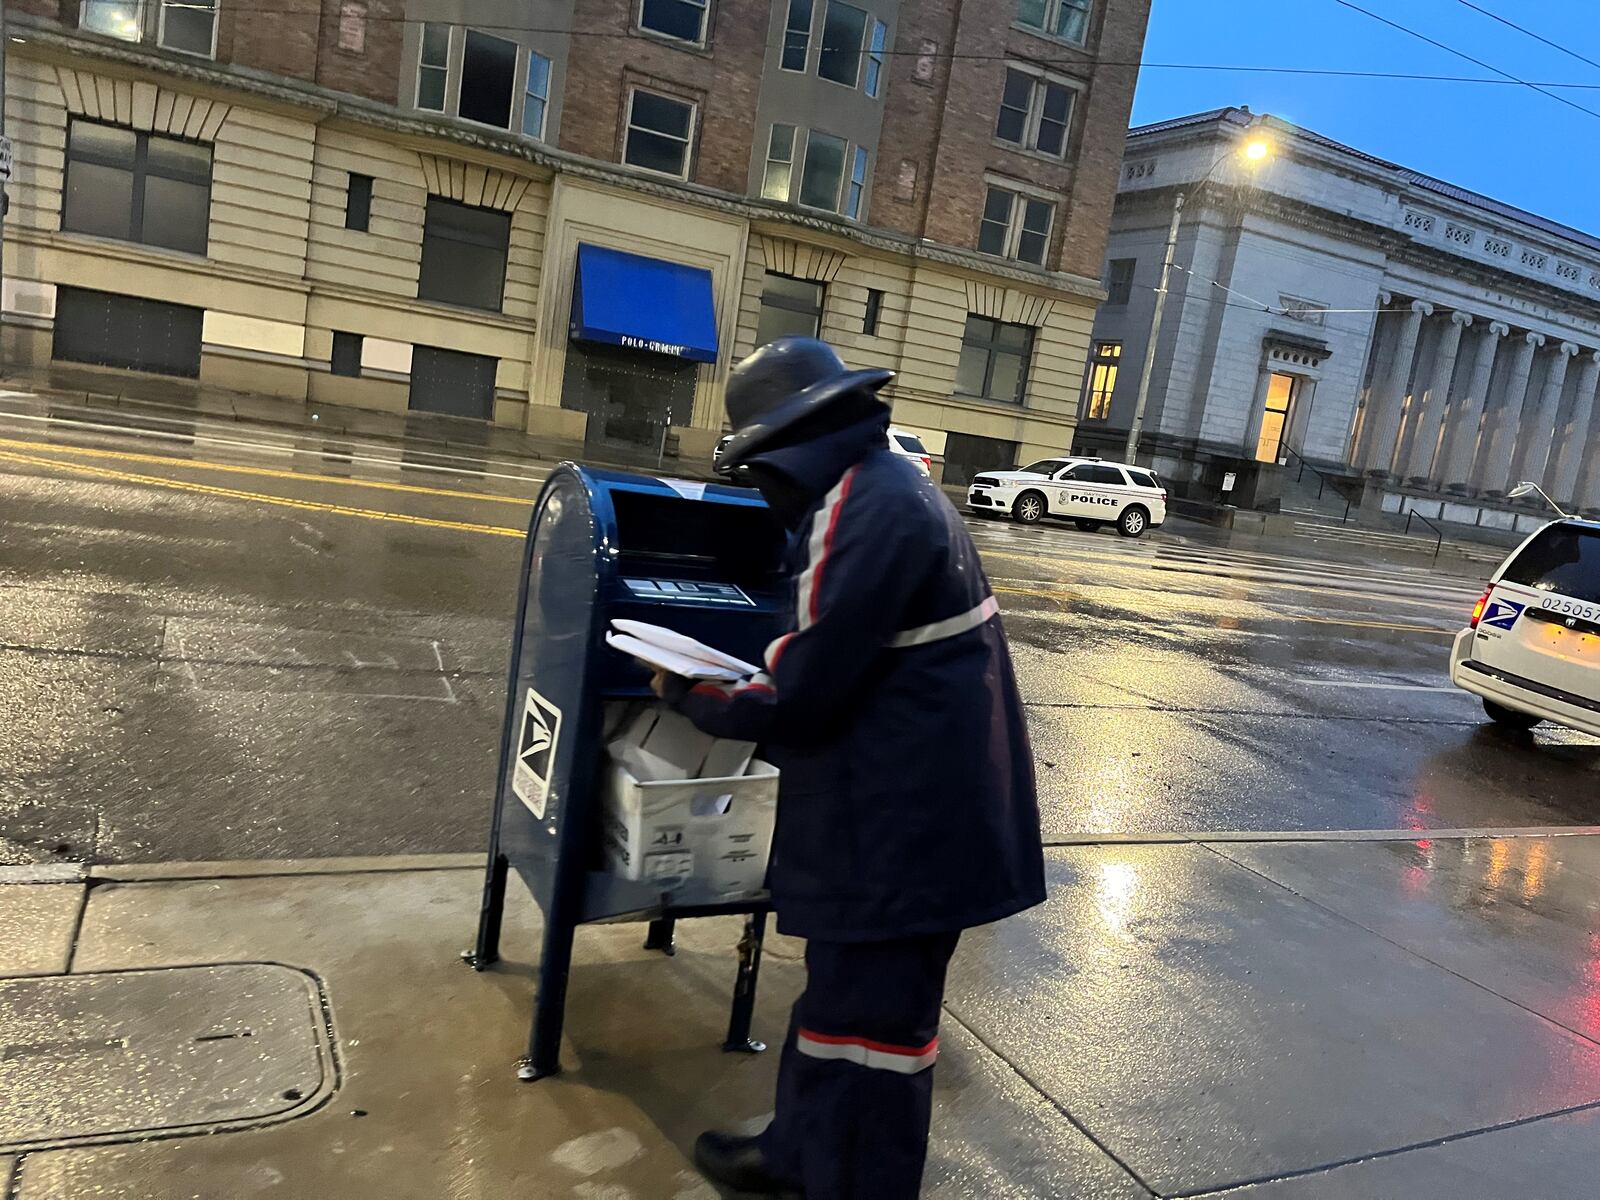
[1438,533]
[1322,480]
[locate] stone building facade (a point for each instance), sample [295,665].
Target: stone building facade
[417,204]
[1434,344]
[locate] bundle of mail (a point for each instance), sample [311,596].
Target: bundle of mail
[676,653]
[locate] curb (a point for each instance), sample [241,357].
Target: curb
[258,868]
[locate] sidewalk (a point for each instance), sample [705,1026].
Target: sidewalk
[1278,1017]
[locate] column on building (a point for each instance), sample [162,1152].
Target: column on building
[1565,471]
[1539,425]
[1383,425]
[1461,435]
[1494,465]
[1430,418]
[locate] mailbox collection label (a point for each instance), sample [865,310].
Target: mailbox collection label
[688,590]
[536,753]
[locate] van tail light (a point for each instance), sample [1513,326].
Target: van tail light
[1477,609]
[927,462]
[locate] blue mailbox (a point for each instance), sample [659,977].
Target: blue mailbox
[704,559]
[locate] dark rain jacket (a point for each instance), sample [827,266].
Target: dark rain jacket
[906,798]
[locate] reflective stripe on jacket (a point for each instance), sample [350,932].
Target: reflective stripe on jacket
[906,804]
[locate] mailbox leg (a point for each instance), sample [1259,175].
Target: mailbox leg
[485,950]
[661,936]
[549,1010]
[744,987]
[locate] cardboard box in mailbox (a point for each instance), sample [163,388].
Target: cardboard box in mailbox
[682,805]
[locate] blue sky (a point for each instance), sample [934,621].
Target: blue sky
[1508,142]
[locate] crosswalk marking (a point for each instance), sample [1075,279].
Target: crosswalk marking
[1225,566]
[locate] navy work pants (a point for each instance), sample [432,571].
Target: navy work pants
[855,1086]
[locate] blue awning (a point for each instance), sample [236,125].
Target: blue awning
[644,304]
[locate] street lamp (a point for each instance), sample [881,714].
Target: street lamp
[1528,487]
[1255,150]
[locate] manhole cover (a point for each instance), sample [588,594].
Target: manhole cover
[129,1054]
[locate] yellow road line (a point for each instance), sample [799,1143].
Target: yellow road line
[204,489]
[265,472]
[375,514]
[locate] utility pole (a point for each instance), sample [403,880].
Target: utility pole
[1139,404]
[4,177]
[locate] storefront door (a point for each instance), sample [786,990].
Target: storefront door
[631,396]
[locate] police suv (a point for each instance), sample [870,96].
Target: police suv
[1087,491]
[1532,649]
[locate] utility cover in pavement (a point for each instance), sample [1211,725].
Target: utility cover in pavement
[133,1054]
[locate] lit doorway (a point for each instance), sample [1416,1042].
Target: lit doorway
[1281,391]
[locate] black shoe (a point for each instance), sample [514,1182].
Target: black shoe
[738,1163]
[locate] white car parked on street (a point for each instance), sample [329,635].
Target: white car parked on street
[1087,491]
[1532,650]
[901,444]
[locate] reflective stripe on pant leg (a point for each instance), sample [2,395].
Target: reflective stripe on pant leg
[880,1056]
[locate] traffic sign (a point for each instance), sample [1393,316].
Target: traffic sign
[5,160]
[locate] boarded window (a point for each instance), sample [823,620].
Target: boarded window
[451,383]
[127,331]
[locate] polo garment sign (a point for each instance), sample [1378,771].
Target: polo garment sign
[642,303]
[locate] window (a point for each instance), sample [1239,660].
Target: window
[684,20]
[775,180]
[797,35]
[352,27]
[660,131]
[189,26]
[869,320]
[433,67]
[1142,478]
[789,308]
[875,49]
[994,359]
[910,443]
[858,185]
[1280,394]
[346,358]
[488,79]
[1563,559]
[463,254]
[1119,281]
[538,95]
[358,202]
[1103,365]
[1096,473]
[137,187]
[839,56]
[1015,226]
[1068,19]
[1045,466]
[824,171]
[115,18]
[1035,113]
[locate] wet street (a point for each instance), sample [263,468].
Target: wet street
[235,643]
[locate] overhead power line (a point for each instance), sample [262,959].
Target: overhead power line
[1092,63]
[1462,54]
[1567,50]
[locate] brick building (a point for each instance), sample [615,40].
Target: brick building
[1420,345]
[571,217]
